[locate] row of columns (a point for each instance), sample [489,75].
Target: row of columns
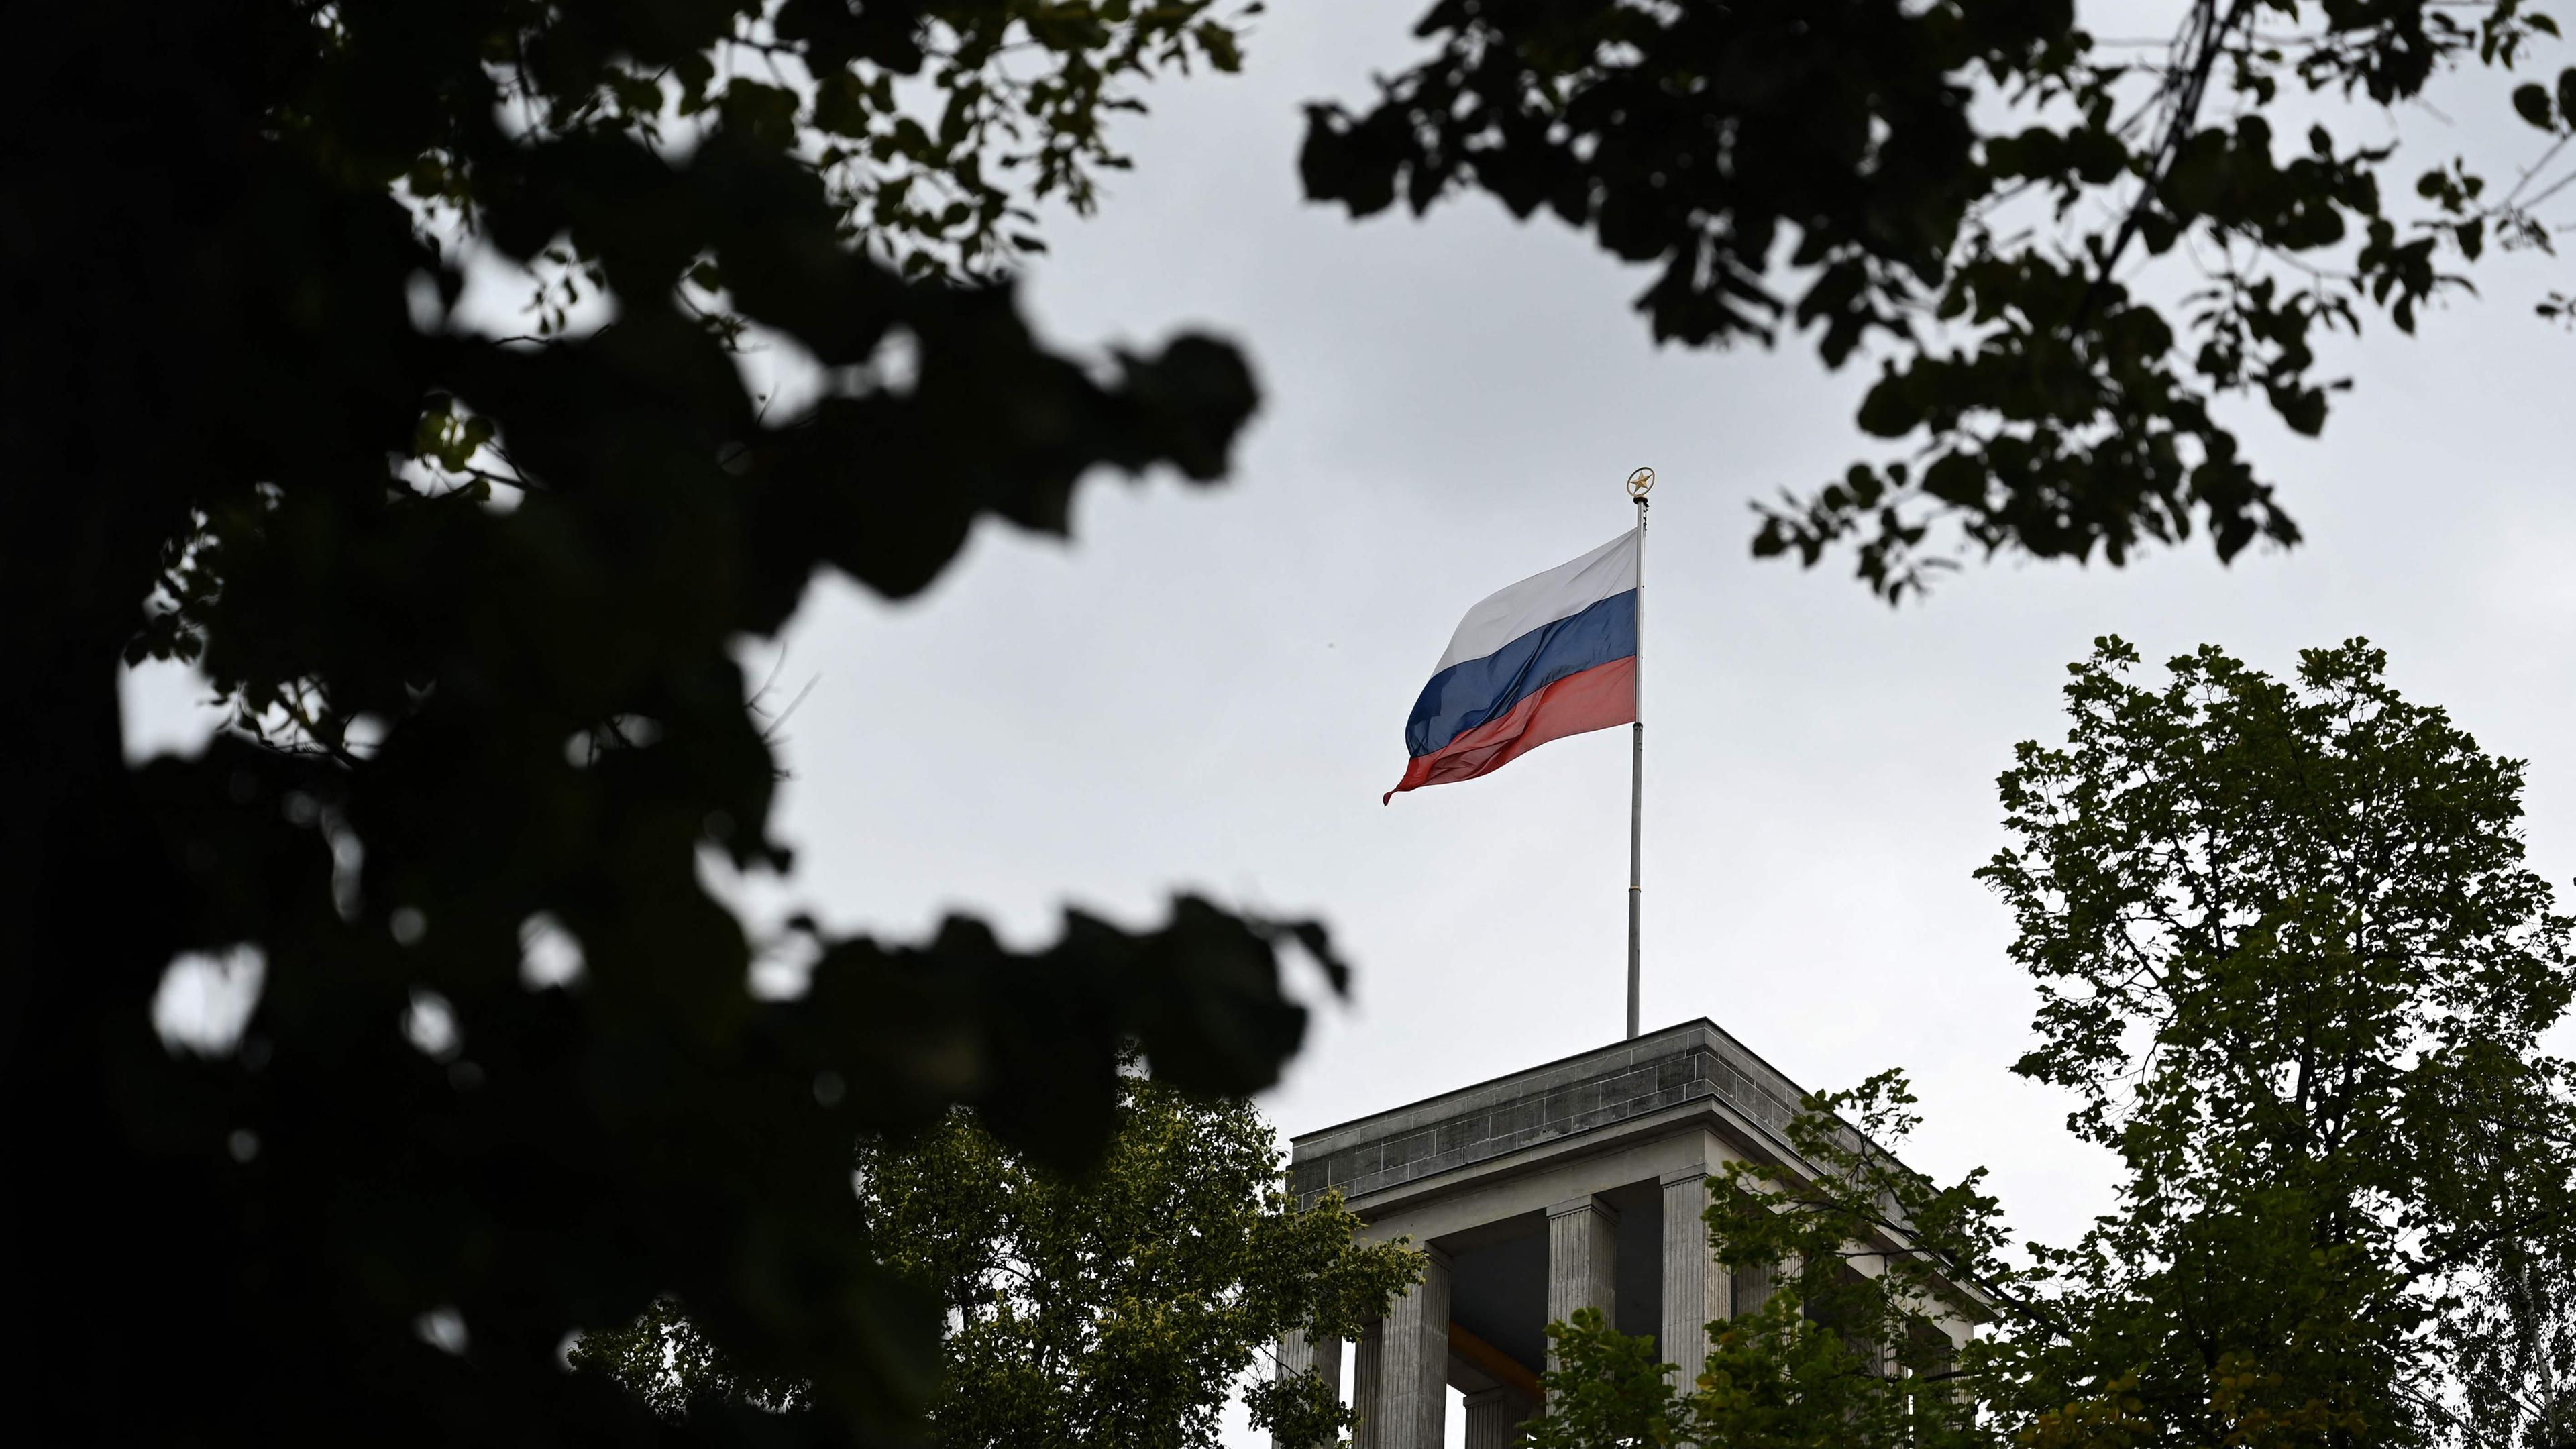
[1401,1378]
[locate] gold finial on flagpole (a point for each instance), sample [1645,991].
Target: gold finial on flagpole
[1641,482]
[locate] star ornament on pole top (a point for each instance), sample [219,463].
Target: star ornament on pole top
[1641,483]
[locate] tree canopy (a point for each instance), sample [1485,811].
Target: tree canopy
[1968,190]
[2295,974]
[1119,1306]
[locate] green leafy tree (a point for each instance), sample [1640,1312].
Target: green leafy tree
[1117,1307]
[2296,974]
[672,1366]
[1971,191]
[477,601]
[1853,1267]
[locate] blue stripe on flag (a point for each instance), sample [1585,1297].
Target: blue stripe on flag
[1472,691]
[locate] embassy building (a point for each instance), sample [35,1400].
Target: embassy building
[1578,1184]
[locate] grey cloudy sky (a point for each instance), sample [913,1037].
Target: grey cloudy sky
[1206,690]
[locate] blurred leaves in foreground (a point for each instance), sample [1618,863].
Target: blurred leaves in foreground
[476,602]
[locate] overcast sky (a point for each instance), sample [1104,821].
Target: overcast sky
[1207,690]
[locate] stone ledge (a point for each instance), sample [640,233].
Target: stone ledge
[1560,1099]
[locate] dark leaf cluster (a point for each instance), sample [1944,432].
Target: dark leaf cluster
[479,603]
[1964,189]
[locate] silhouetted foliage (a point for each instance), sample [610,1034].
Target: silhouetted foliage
[1118,1307]
[1963,189]
[477,603]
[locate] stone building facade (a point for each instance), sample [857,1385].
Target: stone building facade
[1575,1184]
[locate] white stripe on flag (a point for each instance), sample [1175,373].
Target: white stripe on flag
[1560,593]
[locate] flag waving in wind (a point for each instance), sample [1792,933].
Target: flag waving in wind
[1551,656]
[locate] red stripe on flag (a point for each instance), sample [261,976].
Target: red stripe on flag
[1595,699]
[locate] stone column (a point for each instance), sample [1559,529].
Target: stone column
[1298,1355]
[1582,1244]
[1493,1415]
[1368,1383]
[1413,1363]
[1697,1288]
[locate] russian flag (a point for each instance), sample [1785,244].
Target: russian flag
[1551,656]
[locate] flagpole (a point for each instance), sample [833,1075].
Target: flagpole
[1640,483]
